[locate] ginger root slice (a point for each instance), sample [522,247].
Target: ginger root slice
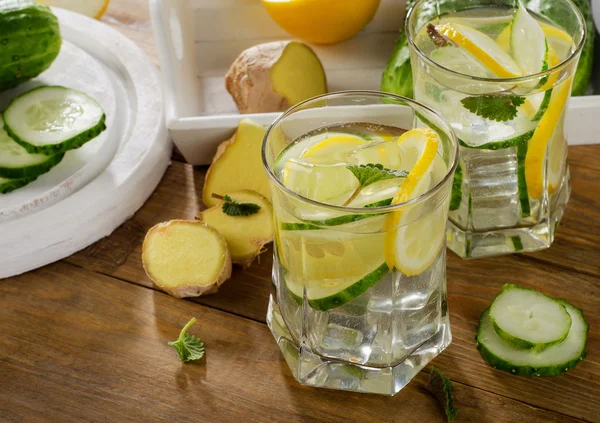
[238,164]
[273,76]
[246,236]
[186,258]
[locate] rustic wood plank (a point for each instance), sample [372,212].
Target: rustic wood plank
[78,346]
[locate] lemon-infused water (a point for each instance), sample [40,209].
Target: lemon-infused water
[359,268]
[501,76]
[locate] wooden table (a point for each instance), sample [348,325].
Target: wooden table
[85,339]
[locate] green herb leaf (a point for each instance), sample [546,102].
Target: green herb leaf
[441,387]
[188,347]
[370,173]
[494,107]
[233,208]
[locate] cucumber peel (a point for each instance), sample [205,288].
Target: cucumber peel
[456,195]
[8,185]
[441,387]
[529,319]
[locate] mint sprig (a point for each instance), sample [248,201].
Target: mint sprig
[370,173]
[188,346]
[500,108]
[441,387]
[234,208]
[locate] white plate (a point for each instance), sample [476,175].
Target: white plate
[97,187]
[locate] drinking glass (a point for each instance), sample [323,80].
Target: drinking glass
[344,315]
[512,182]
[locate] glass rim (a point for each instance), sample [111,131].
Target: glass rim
[363,210]
[518,79]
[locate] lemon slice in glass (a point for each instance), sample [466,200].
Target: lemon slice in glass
[414,237]
[483,48]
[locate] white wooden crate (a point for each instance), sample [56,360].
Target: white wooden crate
[198,40]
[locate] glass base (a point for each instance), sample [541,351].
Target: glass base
[314,370]
[471,244]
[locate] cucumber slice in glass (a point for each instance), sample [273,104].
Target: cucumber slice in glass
[17,163]
[529,319]
[329,294]
[51,120]
[553,361]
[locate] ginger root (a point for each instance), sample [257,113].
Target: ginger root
[274,76]
[238,164]
[245,235]
[186,258]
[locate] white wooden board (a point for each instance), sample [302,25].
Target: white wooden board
[99,186]
[198,40]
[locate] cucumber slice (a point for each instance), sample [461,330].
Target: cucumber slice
[7,185]
[52,120]
[529,319]
[543,105]
[498,145]
[325,296]
[528,42]
[553,361]
[17,163]
[456,196]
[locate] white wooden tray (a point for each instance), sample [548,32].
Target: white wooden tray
[99,186]
[198,40]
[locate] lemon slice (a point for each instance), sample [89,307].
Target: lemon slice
[92,8]
[412,242]
[483,48]
[333,149]
[328,183]
[536,151]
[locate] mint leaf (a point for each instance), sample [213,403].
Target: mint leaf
[441,387]
[369,174]
[233,208]
[188,347]
[500,108]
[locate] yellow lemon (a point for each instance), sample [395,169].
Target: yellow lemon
[322,21]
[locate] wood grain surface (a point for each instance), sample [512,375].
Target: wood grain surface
[85,339]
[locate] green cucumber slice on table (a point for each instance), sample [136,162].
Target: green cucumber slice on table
[8,185]
[553,361]
[16,163]
[326,297]
[529,319]
[51,120]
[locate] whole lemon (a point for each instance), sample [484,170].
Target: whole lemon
[322,21]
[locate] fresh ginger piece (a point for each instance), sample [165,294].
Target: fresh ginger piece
[186,258]
[245,235]
[238,164]
[274,76]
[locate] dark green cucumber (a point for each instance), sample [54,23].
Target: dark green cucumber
[517,243]
[553,361]
[28,116]
[29,41]
[521,181]
[456,196]
[8,185]
[17,163]
[337,299]
[529,319]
